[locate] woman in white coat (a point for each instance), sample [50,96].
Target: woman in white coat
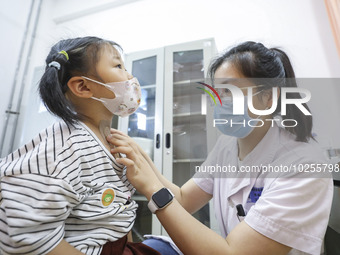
[286,213]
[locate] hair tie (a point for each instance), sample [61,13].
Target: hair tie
[65,54]
[54,64]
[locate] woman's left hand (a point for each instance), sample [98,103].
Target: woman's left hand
[139,172]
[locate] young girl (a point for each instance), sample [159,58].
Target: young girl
[63,192]
[260,212]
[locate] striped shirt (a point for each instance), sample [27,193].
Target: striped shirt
[64,184]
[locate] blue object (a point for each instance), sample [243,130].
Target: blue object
[255,194]
[161,246]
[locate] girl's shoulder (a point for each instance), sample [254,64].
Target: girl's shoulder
[40,155]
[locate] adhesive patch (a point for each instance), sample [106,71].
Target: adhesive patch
[108,197]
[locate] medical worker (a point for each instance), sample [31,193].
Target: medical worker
[261,212]
[63,193]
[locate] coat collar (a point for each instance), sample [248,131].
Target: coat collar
[262,154]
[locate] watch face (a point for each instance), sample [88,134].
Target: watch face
[162,197]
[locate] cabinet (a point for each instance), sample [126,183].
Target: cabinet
[170,124]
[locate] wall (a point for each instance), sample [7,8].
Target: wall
[299,27]
[13,20]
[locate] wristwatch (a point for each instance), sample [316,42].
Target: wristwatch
[160,199]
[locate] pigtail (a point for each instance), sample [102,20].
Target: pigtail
[52,89]
[303,130]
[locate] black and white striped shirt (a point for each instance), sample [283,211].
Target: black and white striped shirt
[63,184]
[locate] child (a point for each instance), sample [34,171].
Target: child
[63,192]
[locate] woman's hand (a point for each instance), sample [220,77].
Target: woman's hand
[136,145]
[139,172]
[64,248]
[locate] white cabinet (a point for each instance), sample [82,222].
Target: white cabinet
[170,123]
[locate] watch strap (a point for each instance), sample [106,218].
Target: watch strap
[152,206]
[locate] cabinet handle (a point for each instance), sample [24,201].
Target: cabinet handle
[158,141]
[167,140]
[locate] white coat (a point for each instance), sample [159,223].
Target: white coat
[290,208]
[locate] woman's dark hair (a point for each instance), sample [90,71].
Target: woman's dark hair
[271,68]
[70,57]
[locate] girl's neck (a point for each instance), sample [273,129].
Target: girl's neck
[100,128]
[247,144]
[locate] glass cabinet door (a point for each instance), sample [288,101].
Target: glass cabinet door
[145,126]
[142,122]
[185,121]
[189,124]
[170,123]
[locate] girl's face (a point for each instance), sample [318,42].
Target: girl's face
[109,68]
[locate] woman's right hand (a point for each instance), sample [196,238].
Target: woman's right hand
[139,172]
[64,248]
[136,145]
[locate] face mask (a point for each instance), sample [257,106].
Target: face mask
[237,125]
[128,96]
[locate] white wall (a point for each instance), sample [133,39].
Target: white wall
[13,19]
[301,28]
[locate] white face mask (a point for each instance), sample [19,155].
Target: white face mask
[128,96]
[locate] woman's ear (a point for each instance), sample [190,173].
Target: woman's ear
[79,87]
[269,96]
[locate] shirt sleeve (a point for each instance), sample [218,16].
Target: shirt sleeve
[203,177]
[33,209]
[294,212]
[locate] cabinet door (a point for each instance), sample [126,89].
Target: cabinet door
[146,124]
[185,119]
